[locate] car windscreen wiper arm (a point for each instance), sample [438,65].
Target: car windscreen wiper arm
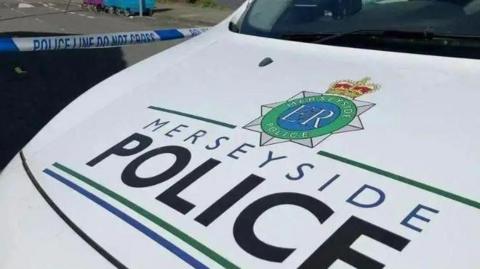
[380,33]
[321,38]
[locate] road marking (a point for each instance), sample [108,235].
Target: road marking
[90,17]
[39,20]
[82,15]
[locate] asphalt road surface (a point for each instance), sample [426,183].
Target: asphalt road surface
[34,86]
[49,16]
[230,3]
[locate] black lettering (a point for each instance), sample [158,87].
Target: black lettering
[120,149]
[229,199]
[300,171]
[363,189]
[196,135]
[271,158]
[338,245]
[182,158]
[217,143]
[176,130]
[170,196]
[244,224]
[157,124]
[239,149]
[415,214]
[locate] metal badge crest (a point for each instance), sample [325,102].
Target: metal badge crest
[308,118]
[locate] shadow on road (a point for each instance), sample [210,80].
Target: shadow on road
[37,15]
[155,11]
[34,86]
[158,10]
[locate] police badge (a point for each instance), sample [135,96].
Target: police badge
[309,118]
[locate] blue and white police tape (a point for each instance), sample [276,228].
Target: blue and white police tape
[94,41]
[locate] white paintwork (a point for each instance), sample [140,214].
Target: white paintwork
[425,126]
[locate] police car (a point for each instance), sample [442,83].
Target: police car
[295,134]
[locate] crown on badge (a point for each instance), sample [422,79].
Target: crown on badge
[351,88]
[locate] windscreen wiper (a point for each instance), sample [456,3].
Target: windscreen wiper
[321,38]
[425,35]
